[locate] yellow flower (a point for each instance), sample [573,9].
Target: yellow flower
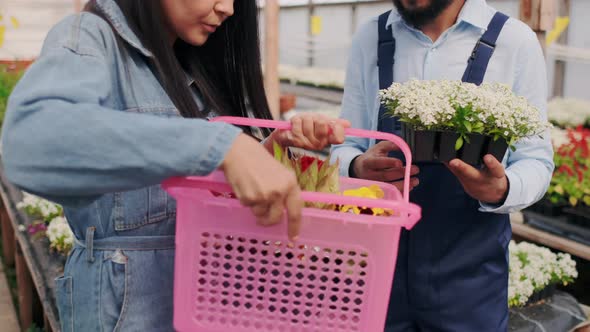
[373,192]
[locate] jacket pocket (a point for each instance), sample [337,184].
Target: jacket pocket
[136,208]
[113,292]
[65,302]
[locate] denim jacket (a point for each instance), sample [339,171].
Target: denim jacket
[90,127]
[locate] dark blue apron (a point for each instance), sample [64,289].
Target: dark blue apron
[452,268]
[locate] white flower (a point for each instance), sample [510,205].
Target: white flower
[533,268]
[60,235]
[434,105]
[314,76]
[568,112]
[39,207]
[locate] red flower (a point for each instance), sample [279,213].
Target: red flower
[562,151]
[566,169]
[306,161]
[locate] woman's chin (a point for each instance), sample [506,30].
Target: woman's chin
[196,39]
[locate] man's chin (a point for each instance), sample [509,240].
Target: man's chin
[420,12]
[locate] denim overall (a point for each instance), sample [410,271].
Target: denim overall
[452,268]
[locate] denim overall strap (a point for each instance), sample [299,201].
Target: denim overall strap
[124,243]
[385,61]
[482,53]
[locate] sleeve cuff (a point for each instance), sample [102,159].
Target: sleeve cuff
[345,157]
[219,144]
[511,203]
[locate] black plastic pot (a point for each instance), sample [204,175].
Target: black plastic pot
[446,148]
[545,207]
[579,215]
[543,294]
[473,151]
[422,143]
[497,148]
[429,145]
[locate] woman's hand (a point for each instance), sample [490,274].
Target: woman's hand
[309,131]
[263,184]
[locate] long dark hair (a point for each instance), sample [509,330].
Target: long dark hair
[226,69]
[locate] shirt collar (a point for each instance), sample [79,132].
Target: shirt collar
[119,22]
[473,12]
[476,13]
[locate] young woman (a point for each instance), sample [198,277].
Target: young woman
[116,103]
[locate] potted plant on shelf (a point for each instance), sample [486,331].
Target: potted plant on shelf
[571,179]
[443,120]
[535,272]
[48,224]
[569,112]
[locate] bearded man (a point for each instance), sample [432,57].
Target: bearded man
[452,267]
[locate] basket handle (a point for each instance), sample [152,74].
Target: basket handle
[216,182]
[284,125]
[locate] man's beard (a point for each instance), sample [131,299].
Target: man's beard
[420,17]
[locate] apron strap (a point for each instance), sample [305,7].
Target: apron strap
[385,61]
[482,53]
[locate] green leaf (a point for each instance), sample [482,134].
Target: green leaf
[309,178]
[278,150]
[573,201]
[322,170]
[468,126]
[459,143]
[330,182]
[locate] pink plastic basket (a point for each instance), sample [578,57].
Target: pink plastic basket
[233,275]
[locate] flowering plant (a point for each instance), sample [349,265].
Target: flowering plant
[314,174]
[39,208]
[465,108]
[532,268]
[60,235]
[321,78]
[37,229]
[568,112]
[51,223]
[571,179]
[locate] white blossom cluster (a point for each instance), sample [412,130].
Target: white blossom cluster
[39,207]
[559,137]
[532,268]
[60,235]
[568,112]
[58,231]
[313,76]
[442,104]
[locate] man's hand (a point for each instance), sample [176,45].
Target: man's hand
[377,166]
[488,185]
